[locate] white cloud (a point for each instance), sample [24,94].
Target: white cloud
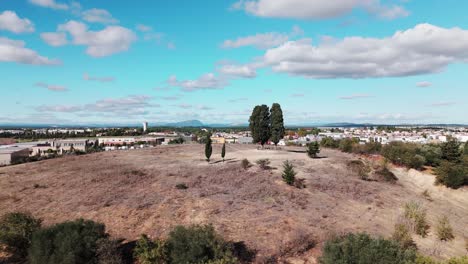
[423,49]
[424,84]
[110,40]
[87,77]
[442,104]
[96,15]
[10,21]
[143,28]
[207,81]
[59,108]
[50,87]
[355,96]
[244,71]
[260,41]
[50,4]
[15,51]
[55,39]
[317,9]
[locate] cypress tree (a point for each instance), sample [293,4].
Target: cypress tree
[223,151]
[313,149]
[259,124]
[208,148]
[289,175]
[277,123]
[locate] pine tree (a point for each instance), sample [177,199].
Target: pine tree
[466,148]
[259,124]
[208,148]
[289,175]
[223,151]
[277,123]
[313,149]
[451,150]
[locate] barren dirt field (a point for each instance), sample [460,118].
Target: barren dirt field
[133,192]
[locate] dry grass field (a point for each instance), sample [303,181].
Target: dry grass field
[133,192]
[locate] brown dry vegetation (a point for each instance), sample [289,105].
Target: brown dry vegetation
[133,192]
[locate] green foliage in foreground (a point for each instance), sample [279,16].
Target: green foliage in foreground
[16,230]
[67,243]
[289,175]
[313,149]
[363,249]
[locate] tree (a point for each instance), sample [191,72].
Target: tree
[313,149]
[451,150]
[452,174]
[208,148]
[289,175]
[223,151]
[259,124]
[465,149]
[16,230]
[277,123]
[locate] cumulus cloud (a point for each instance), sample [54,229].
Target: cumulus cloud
[423,49]
[10,21]
[15,51]
[58,108]
[317,9]
[243,71]
[110,40]
[55,39]
[355,96]
[204,82]
[50,87]
[96,15]
[424,84]
[87,77]
[50,4]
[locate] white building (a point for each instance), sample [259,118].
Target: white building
[145,126]
[11,154]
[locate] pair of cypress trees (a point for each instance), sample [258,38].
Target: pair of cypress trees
[209,149]
[266,124]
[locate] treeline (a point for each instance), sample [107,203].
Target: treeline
[450,159]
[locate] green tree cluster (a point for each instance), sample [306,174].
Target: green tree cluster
[266,124]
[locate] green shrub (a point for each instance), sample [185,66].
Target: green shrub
[460,260]
[329,142]
[451,150]
[387,175]
[363,249]
[67,243]
[16,230]
[407,154]
[444,229]
[432,153]
[346,145]
[451,174]
[417,162]
[313,149]
[289,175]
[263,163]
[198,244]
[151,252]
[181,186]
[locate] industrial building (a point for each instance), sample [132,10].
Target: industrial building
[12,154]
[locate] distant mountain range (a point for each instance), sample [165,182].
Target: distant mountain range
[198,123]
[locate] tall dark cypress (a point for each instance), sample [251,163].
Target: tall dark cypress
[253,124]
[277,123]
[208,148]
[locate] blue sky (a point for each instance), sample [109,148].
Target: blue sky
[86,61]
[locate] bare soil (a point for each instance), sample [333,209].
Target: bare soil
[133,192]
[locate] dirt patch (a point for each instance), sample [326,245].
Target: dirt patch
[135,192]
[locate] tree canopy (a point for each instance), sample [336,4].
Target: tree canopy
[259,124]
[277,123]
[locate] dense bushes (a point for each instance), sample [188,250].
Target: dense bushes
[452,175]
[16,230]
[151,252]
[363,249]
[68,242]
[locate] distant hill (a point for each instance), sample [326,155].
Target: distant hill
[188,123]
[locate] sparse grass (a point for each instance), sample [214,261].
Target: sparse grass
[427,195]
[402,235]
[264,164]
[417,215]
[387,175]
[444,230]
[245,163]
[359,167]
[181,186]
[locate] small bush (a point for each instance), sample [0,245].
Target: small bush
[313,149]
[68,242]
[387,175]
[289,175]
[452,175]
[263,163]
[16,230]
[359,167]
[402,235]
[444,229]
[181,186]
[363,249]
[417,215]
[245,163]
[198,244]
[151,252]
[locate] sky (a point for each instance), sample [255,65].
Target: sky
[361,61]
